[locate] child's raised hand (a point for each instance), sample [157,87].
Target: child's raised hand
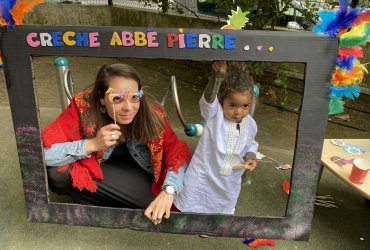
[250,164]
[219,66]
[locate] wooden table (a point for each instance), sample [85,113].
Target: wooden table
[330,151]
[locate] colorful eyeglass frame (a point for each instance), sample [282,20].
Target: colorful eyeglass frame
[351,149]
[117,96]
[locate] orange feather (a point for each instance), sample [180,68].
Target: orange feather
[364,17]
[22,8]
[286,186]
[343,78]
[2,22]
[342,31]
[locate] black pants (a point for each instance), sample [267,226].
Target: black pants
[124,185]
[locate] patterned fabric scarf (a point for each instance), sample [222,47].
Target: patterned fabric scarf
[167,151]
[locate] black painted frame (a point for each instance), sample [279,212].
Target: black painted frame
[316,51]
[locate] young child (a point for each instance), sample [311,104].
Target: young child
[212,181]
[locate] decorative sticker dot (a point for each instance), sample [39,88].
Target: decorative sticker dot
[270,49]
[259,47]
[246,47]
[150,29]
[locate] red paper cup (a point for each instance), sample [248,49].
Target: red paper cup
[359,170]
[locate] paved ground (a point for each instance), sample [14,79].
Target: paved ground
[346,227]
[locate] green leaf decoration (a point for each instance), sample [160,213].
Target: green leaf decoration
[238,18]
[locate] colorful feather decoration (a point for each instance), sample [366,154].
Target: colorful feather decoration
[351,27]
[13,11]
[343,20]
[21,8]
[345,62]
[350,92]
[1,60]
[344,77]
[363,17]
[5,7]
[354,51]
[335,105]
[326,18]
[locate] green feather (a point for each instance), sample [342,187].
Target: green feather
[335,105]
[349,42]
[353,41]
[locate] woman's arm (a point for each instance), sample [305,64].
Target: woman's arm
[162,204]
[175,179]
[60,154]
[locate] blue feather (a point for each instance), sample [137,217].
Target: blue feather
[346,62]
[343,20]
[249,240]
[343,5]
[6,6]
[326,18]
[350,92]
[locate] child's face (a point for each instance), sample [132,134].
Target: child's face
[236,105]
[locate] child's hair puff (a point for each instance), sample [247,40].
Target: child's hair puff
[237,80]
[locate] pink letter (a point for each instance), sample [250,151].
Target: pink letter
[152,36]
[181,41]
[93,37]
[30,41]
[127,38]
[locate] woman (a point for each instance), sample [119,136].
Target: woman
[112,146]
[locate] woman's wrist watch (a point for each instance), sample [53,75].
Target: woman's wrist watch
[169,190]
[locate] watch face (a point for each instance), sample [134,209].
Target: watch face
[170,190]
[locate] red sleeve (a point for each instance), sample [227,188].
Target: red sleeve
[176,152]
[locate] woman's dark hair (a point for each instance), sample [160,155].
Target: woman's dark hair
[147,123]
[237,80]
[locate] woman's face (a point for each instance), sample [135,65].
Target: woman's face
[121,100]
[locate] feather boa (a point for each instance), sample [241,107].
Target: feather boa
[354,51]
[13,11]
[345,62]
[352,28]
[350,92]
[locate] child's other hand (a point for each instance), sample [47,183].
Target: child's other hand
[250,164]
[219,66]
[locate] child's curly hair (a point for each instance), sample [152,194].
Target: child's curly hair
[237,80]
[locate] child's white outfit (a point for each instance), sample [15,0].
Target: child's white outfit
[210,184]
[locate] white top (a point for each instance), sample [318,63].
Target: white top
[210,184]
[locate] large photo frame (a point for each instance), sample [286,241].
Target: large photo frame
[316,51]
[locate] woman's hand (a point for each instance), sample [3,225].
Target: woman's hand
[159,208]
[219,66]
[250,164]
[106,137]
